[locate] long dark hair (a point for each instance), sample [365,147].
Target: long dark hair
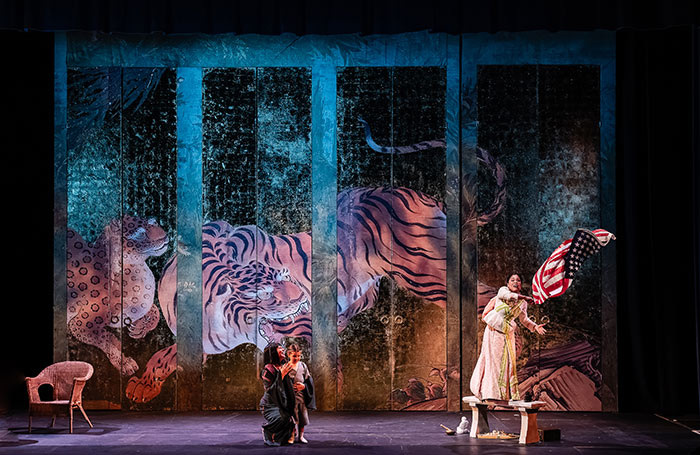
[516,274]
[271,356]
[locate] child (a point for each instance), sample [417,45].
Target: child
[303,389]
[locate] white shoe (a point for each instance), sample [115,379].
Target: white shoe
[303,440]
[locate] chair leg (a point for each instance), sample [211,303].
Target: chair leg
[85,415]
[70,412]
[53,420]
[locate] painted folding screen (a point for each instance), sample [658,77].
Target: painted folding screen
[257,212]
[542,123]
[121,199]
[391,238]
[344,193]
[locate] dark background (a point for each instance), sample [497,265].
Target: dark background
[658,199]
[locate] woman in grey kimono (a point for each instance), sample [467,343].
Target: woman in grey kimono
[277,403]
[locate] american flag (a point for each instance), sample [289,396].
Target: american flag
[554,276]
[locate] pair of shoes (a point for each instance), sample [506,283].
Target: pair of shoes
[303,440]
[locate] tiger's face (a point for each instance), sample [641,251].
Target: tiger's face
[248,303]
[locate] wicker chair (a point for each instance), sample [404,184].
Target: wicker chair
[68,380]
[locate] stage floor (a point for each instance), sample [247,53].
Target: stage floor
[340,433]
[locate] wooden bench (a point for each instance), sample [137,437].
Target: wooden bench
[528,416]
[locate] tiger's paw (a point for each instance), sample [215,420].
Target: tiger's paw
[144,389]
[267,331]
[158,369]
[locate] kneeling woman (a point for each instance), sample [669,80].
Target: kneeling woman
[277,403]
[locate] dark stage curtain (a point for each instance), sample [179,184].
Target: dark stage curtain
[26,141]
[658,220]
[335,17]
[696,195]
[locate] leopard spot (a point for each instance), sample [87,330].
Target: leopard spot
[73,294]
[95,279]
[136,288]
[94,293]
[82,286]
[84,315]
[88,325]
[95,307]
[87,259]
[70,274]
[78,245]
[82,271]
[99,320]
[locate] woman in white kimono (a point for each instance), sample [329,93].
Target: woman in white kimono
[495,374]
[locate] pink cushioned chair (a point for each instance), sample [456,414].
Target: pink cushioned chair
[68,380]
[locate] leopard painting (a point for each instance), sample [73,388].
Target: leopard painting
[110,286]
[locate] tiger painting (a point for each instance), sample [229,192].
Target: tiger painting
[111,286]
[256,287]
[241,304]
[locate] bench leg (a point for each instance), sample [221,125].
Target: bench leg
[528,426]
[480,420]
